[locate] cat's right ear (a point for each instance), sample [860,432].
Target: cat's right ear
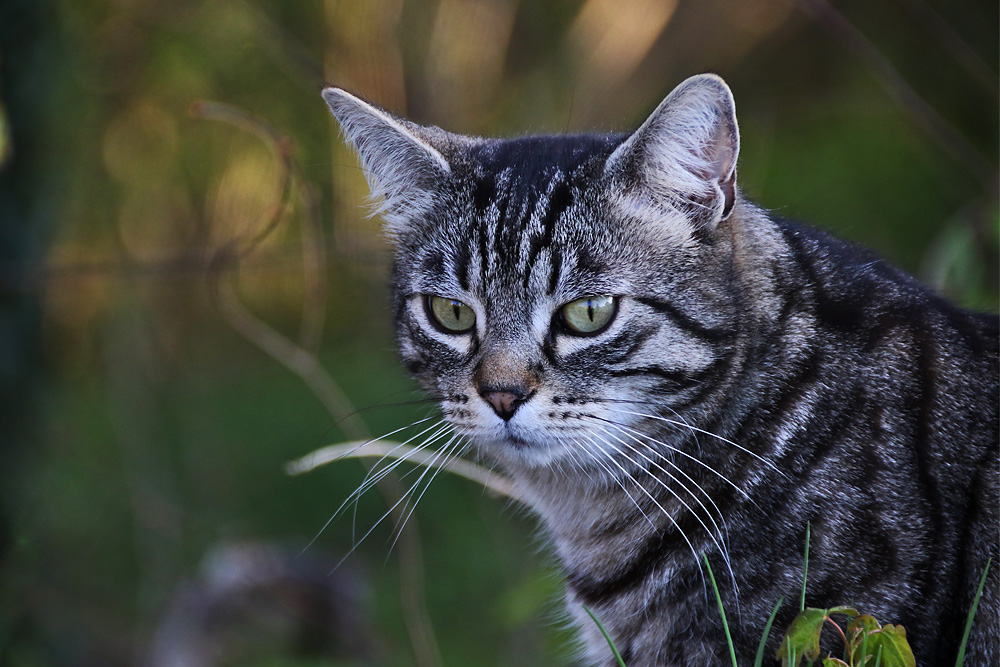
[403,169]
[684,155]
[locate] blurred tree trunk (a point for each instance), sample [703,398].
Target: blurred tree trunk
[29,197]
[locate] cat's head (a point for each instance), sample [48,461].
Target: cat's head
[557,293]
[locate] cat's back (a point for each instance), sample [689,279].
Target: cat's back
[911,381]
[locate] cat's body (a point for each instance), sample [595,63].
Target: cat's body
[665,371]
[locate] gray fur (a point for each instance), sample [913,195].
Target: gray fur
[757,376]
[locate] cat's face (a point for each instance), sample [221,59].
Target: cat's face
[549,290]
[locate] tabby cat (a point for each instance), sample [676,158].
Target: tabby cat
[666,371]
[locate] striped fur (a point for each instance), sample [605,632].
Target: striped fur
[756,376]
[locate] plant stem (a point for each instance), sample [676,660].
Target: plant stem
[607,637]
[722,612]
[805,569]
[758,661]
[972,615]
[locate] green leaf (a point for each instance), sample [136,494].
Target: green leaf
[861,624]
[834,662]
[891,642]
[802,638]
[847,611]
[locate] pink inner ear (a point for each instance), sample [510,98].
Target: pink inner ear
[720,165]
[720,156]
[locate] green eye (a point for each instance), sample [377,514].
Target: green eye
[451,315]
[589,315]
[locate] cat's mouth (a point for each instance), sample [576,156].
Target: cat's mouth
[517,442]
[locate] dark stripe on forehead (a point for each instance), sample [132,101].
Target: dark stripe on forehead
[484,193]
[433,264]
[556,261]
[484,253]
[511,224]
[560,199]
[462,257]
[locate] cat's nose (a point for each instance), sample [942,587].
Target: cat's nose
[504,402]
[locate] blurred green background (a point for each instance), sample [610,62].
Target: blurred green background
[191,296]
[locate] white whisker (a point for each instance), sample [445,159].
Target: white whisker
[443,452]
[355,494]
[645,491]
[684,424]
[711,518]
[614,477]
[680,452]
[718,541]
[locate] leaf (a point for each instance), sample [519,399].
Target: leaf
[891,642]
[861,624]
[802,638]
[834,662]
[847,611]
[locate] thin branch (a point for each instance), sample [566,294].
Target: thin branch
[282,147]
[301,358]
[954,44]
[939,129]
[297,359]
[493,482]
[314,270]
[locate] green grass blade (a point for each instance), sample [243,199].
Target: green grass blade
[759,660]
[805,569]
[722,612]
[607,637]
[972,615]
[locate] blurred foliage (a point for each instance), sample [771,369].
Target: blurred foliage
[157,431]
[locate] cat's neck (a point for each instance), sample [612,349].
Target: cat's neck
[595,514]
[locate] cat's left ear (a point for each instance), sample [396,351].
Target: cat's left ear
[402,163]
[684,155]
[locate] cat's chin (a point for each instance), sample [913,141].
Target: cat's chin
[519,451]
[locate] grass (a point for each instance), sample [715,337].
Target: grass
[857,646]
[972,614]
[607,637]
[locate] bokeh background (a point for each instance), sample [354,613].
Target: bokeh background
[191,295]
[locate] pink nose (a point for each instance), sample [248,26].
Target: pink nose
[505,402]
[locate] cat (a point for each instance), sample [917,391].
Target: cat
[664,370]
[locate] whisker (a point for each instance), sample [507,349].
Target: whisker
[395,505]
[444,453]
[376,474]
[712,534]
[613,476]
[708,433]
[674,479]
[681,452]
[347,501]
[649,443]
[642,488]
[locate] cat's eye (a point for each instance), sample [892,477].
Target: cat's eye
[589,315]
[451,315]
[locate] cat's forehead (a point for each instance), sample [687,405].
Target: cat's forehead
[534,158]
[522,222]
